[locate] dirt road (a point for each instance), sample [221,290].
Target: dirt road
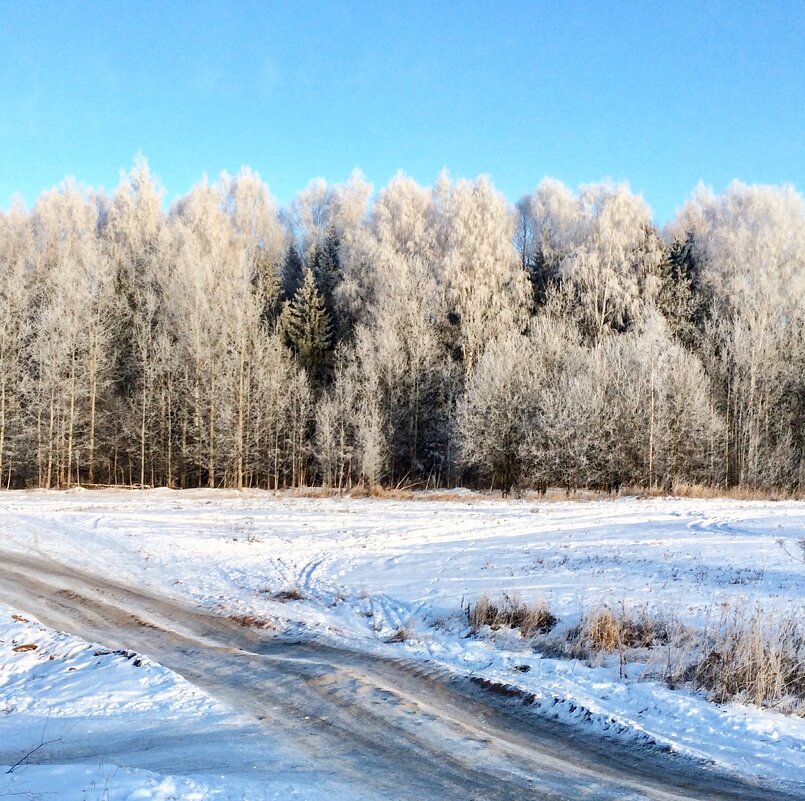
[391,729]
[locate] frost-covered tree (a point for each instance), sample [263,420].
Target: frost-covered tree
[371,425]
[637,409]
[308,215]
[602,244]
[210,279]
[15,253]
[407,316]
[487,292]
[429,335]
[352,433]
[135,240]
[405,323]
[70,367]
[260,235]
[335,422]
[499,408]
[751,244]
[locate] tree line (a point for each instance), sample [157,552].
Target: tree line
[419,336]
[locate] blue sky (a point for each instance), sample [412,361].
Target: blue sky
[659,94]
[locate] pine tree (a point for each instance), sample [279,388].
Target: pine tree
[307,327]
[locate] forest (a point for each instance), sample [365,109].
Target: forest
[417,337]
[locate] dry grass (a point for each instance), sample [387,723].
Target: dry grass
[310,492]
[682,490]
[679,489]
[512,613]
[419,493]
[434,495]
[288,594]
[598,630]
[754,657]
[401,635]
[250,621]
[603,629]
[412,494]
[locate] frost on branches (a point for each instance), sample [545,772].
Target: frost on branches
[417,336]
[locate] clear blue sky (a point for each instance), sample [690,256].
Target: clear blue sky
[661,94]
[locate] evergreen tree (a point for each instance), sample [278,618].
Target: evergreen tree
[307,327]
[680,297]
[267,285]
[326,268]
[293,272]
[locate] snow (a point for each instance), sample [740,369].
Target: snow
[46,689]
[367,569]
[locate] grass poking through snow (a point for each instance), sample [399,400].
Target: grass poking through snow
[750,657]
[511,612]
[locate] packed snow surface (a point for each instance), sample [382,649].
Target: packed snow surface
[388,577]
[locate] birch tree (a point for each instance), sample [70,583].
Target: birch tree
[136,241]
[486,291]
[603,243]
[751,242]
[72,319]
[15,253]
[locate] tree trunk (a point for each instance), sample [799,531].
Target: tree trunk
[143,408]
[71,423]
[239,434]
[92,397]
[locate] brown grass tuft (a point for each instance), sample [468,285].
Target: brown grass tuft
[250,621]
[754,657]
[290,594]
[602,629]
[401,635]
[510,612]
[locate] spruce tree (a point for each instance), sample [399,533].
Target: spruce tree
[307,328]
[292,272]
[681,297]
[326,266]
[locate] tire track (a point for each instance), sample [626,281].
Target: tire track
[392,729]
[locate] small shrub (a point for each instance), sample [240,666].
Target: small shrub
[642,630]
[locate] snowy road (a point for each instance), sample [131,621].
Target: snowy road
[386,728]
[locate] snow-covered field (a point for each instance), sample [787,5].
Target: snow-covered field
[367,569]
